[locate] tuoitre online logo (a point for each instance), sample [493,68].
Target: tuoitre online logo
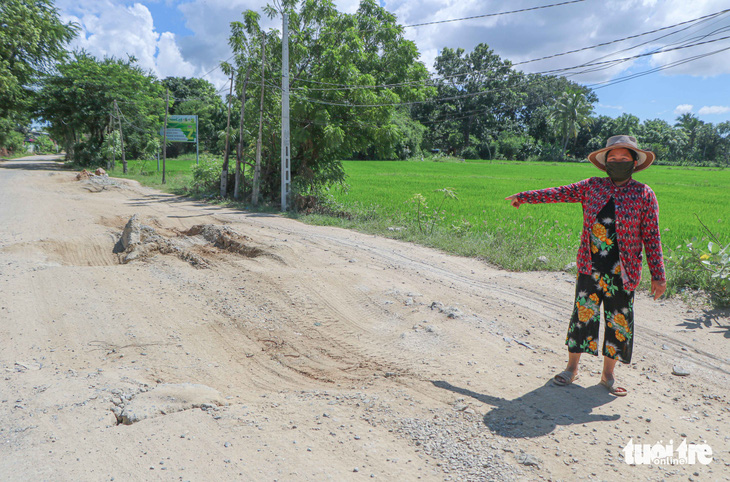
[660,454]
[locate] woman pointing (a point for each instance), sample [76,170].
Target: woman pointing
[620,217]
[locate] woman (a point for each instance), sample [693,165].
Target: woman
[620,216]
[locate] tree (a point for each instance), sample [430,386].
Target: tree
[32,40]
[723,130]
[79,104]
[329,50]
[690,124]
[570,112]
[669,144]
[193,96]
[483,98]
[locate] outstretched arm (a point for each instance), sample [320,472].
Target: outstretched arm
[572,193]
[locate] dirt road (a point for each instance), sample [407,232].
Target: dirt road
[281,351]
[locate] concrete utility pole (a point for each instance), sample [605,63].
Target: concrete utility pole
[224,171]
[164,134]
[257,169]
[285,141]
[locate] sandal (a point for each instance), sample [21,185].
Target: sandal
[618,391]
[564,378]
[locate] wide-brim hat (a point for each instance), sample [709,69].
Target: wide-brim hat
[643,158]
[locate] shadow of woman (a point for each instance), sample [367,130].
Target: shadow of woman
[540,411]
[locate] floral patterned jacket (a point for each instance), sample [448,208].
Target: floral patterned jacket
[637,222]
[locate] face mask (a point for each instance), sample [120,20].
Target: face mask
[619,171]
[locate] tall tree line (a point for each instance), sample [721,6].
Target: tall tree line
[359,91]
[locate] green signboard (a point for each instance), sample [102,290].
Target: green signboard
[182,128]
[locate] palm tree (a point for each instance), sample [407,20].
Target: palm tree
[570,112]
[691,125]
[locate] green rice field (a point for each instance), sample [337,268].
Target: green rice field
[385,187]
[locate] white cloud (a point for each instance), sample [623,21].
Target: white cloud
[110,28]
[683,109]
[170,62]
[713,109]
[120,27]
[616,107]
[529,35]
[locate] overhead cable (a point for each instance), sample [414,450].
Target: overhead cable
[494,14]
[566,71]
[336,86]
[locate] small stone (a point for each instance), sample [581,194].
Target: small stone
[356,469]
[527,459]
[227,444]
[452,312]
[437,305]
[543,259]
[680,371]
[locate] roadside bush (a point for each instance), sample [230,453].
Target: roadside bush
[705,265]
[43,145]
[86,155]
[111,148]
[14,142]
[206,176]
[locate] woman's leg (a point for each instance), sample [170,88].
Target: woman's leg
[619,334]
[583,328]
[573,360]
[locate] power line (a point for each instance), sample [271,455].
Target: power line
[217,66]
[566,71]
[628,38]
[336,86]
[646,54]
[494,14]
[608,83]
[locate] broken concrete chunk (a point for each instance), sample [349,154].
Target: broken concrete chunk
[131,236]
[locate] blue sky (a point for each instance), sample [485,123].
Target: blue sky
[189,38]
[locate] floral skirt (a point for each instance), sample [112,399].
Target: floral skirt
[618,310]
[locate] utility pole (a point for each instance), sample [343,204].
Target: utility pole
[121,136]
[239,149]
[224,171]
[114,156]
[257,169]
[164,134]
[285,142]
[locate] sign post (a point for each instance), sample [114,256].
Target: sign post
[183,128]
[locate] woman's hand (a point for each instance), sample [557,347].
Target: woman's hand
[658,288]
[514,201]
